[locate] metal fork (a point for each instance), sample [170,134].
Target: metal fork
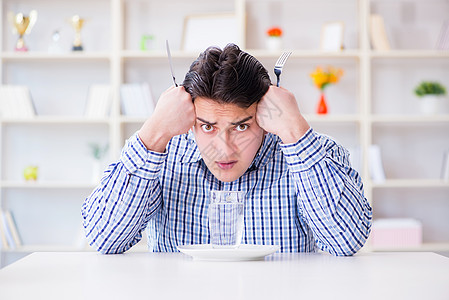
[280,64]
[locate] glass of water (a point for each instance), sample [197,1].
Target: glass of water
[226,210]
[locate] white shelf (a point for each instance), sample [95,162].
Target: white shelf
[42,56]
[412,183]
[132,120]
[425,247]
[335,118]
[46,248]
[140,247]
[259,53]
[56,120]
[410,54]
[158,54]
[332,118]
[415,119]
[46,185]
[363,80]
[299,53]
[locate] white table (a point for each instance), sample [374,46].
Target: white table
[176,276]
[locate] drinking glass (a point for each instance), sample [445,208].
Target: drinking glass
[226,210]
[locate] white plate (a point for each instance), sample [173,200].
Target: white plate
[243,252]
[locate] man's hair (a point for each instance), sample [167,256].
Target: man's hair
[227,76]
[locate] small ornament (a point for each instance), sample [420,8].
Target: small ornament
[22,25]
[30,173]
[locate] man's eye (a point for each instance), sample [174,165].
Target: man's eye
[242,127]
[207,127]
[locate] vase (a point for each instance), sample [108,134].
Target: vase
[274,43]
[322,105]
[430,104]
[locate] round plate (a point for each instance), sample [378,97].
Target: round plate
[242,252]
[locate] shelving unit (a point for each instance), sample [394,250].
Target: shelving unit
[373,103]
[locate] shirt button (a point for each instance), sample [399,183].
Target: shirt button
[302,156]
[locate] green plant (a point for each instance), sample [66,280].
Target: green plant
[98,151]
[429,88]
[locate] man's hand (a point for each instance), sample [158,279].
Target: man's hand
[278,113]
[174,114]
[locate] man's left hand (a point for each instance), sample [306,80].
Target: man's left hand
[278,113]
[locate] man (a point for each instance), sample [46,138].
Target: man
[228,128]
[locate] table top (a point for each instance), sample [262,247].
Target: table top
[88,275]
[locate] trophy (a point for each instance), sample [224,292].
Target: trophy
[77,24]
[22,25]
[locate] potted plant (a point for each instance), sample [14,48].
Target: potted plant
[322,78]
[274,38]
[430,93]
[98,152]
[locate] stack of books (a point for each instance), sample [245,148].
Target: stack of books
[136,100]
[9,235]
[99,101]
[15,102]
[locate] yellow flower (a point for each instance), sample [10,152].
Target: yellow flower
[321,78]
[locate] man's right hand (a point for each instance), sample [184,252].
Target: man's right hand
[174,114]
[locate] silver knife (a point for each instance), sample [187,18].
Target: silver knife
[170,62]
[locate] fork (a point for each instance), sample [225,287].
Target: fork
[280,64]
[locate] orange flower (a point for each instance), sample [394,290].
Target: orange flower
[274,31]
[322,78]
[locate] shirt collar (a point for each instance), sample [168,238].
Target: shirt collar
[264,155]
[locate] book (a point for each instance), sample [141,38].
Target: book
[376,169]
[136,100]
[3,241]
[13,228]
[99,101]
[6,230]
[378,33]
[443,37]
[16,102]
[445,166]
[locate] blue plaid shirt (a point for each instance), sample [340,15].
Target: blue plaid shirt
[300,196]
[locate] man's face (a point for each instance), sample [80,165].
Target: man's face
[227,136]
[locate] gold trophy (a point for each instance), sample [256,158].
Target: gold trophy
[22,25]
[77,24]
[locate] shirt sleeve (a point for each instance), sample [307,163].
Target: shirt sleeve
[330,193]
[118,210]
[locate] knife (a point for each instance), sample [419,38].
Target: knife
[170,62]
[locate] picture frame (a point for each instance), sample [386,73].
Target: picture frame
[202,31]
[332,34]
[443,37]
